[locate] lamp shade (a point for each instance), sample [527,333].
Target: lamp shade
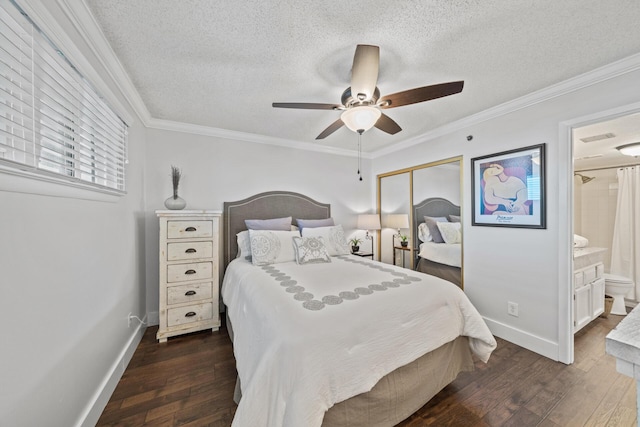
[396,221]
[630,149]
[368,222]
[361,118]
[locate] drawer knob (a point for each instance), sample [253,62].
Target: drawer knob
[190,314]
[190,251]
[190,229]
[190,272]
[189,293]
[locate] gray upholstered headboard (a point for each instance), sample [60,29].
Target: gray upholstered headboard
[434,206]
[272,204]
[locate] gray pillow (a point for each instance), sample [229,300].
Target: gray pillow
[433,228]
[315,223]
[454,218]
[283,224]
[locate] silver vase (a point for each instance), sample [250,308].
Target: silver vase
[175,203]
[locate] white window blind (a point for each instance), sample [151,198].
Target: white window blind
[52,121]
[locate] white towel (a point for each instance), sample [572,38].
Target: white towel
[580,242]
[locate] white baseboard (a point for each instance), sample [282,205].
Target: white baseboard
[526,340]
[98,402]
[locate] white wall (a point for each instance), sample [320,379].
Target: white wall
[522,265]
[217,170]
[595,211]
[71,271]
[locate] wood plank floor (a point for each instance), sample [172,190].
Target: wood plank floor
[189,382]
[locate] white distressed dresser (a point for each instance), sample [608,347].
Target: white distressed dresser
[188,272]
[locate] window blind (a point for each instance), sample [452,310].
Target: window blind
[52,120]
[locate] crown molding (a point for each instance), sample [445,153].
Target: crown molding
[607,72]
[84,22]
[169,125]
[80,15]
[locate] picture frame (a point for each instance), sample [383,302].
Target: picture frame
[508,188]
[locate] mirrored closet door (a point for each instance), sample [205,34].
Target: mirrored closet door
[421,206]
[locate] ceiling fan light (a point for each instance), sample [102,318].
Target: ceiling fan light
[632,149]
[361,118]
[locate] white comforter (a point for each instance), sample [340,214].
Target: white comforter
[297,356]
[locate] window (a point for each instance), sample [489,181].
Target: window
[52,121]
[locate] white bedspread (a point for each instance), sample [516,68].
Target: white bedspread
[297,356]
[442,253]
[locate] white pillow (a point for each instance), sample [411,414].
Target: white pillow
[244,244]
[310,250]
[333,237]
[423,233]
[450,232]
[272,246]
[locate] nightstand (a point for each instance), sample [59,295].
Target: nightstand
[188,272]
[402,250]
[363,254]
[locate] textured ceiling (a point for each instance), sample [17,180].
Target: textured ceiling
[222,63]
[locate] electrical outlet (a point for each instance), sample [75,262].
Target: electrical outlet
[512,308]
[129,317]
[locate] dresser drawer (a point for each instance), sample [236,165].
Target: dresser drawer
[192,292]
[193,271]
[187,229]
[189,250]
[189,314]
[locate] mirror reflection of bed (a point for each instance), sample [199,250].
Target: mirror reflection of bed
[439,253]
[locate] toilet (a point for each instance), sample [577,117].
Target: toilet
[617,287]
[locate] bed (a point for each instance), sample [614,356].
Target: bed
[314,360]
[437,259]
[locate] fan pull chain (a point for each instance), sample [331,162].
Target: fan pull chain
[360,154]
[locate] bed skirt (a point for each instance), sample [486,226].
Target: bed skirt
[443,271]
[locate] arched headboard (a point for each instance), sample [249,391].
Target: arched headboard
[272,204]
[434,206]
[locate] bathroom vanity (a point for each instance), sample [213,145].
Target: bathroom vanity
[588,285]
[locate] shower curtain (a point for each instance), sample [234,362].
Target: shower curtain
[625,251]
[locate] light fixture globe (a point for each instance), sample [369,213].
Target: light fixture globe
[632,149]
[360,118]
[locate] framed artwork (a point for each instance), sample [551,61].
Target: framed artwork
[508,189]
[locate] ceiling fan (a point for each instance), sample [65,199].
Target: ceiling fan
[361,102]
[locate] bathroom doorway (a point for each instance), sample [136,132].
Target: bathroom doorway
[600,230]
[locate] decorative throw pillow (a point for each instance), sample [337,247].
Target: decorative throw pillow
[283,224]
[454,218]
[450,232]
[314,223]
[310,250]
[272,246]
[431,222]
[334,239]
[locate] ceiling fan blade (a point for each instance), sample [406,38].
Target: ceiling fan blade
[307,105]
[331,129]
[420,94]
[387,124]
[364,72]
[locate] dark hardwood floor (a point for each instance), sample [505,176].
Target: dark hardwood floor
[189,381]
